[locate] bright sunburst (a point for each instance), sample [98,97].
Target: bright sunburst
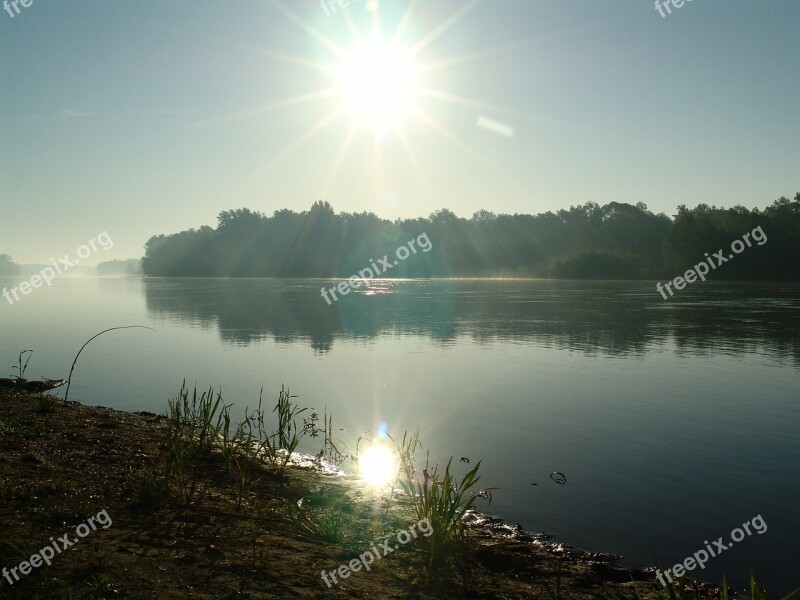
[378,80]
[382,85]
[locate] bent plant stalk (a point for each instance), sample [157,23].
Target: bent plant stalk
[74,362]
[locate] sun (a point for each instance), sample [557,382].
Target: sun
[381,77]
[378,80]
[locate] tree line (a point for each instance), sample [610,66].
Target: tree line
[589,241]
[8,266]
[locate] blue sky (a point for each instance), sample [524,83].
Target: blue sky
[147,117]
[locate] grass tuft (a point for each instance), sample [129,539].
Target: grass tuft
[441,499]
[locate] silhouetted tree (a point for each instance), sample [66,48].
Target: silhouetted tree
[590,241]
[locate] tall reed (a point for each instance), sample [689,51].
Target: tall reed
[441,499]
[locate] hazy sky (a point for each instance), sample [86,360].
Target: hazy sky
[147,117]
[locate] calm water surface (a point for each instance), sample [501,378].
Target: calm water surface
[673,421]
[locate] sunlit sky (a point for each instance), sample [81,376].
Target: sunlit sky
[148,117]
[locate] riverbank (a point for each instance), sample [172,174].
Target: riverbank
[65,462]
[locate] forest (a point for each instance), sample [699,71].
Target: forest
[589,241]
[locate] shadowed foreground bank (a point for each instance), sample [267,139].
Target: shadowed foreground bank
[65,462]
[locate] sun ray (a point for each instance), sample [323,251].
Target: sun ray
[452,137]
[405,21]
[340,155]
[444,26]
[355,32]
[376,25]
[283,56]
[309,29]
[317,127]
[309,133]
[470,103]
[472,57]
[377,164]
[278,105]
[418,170]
